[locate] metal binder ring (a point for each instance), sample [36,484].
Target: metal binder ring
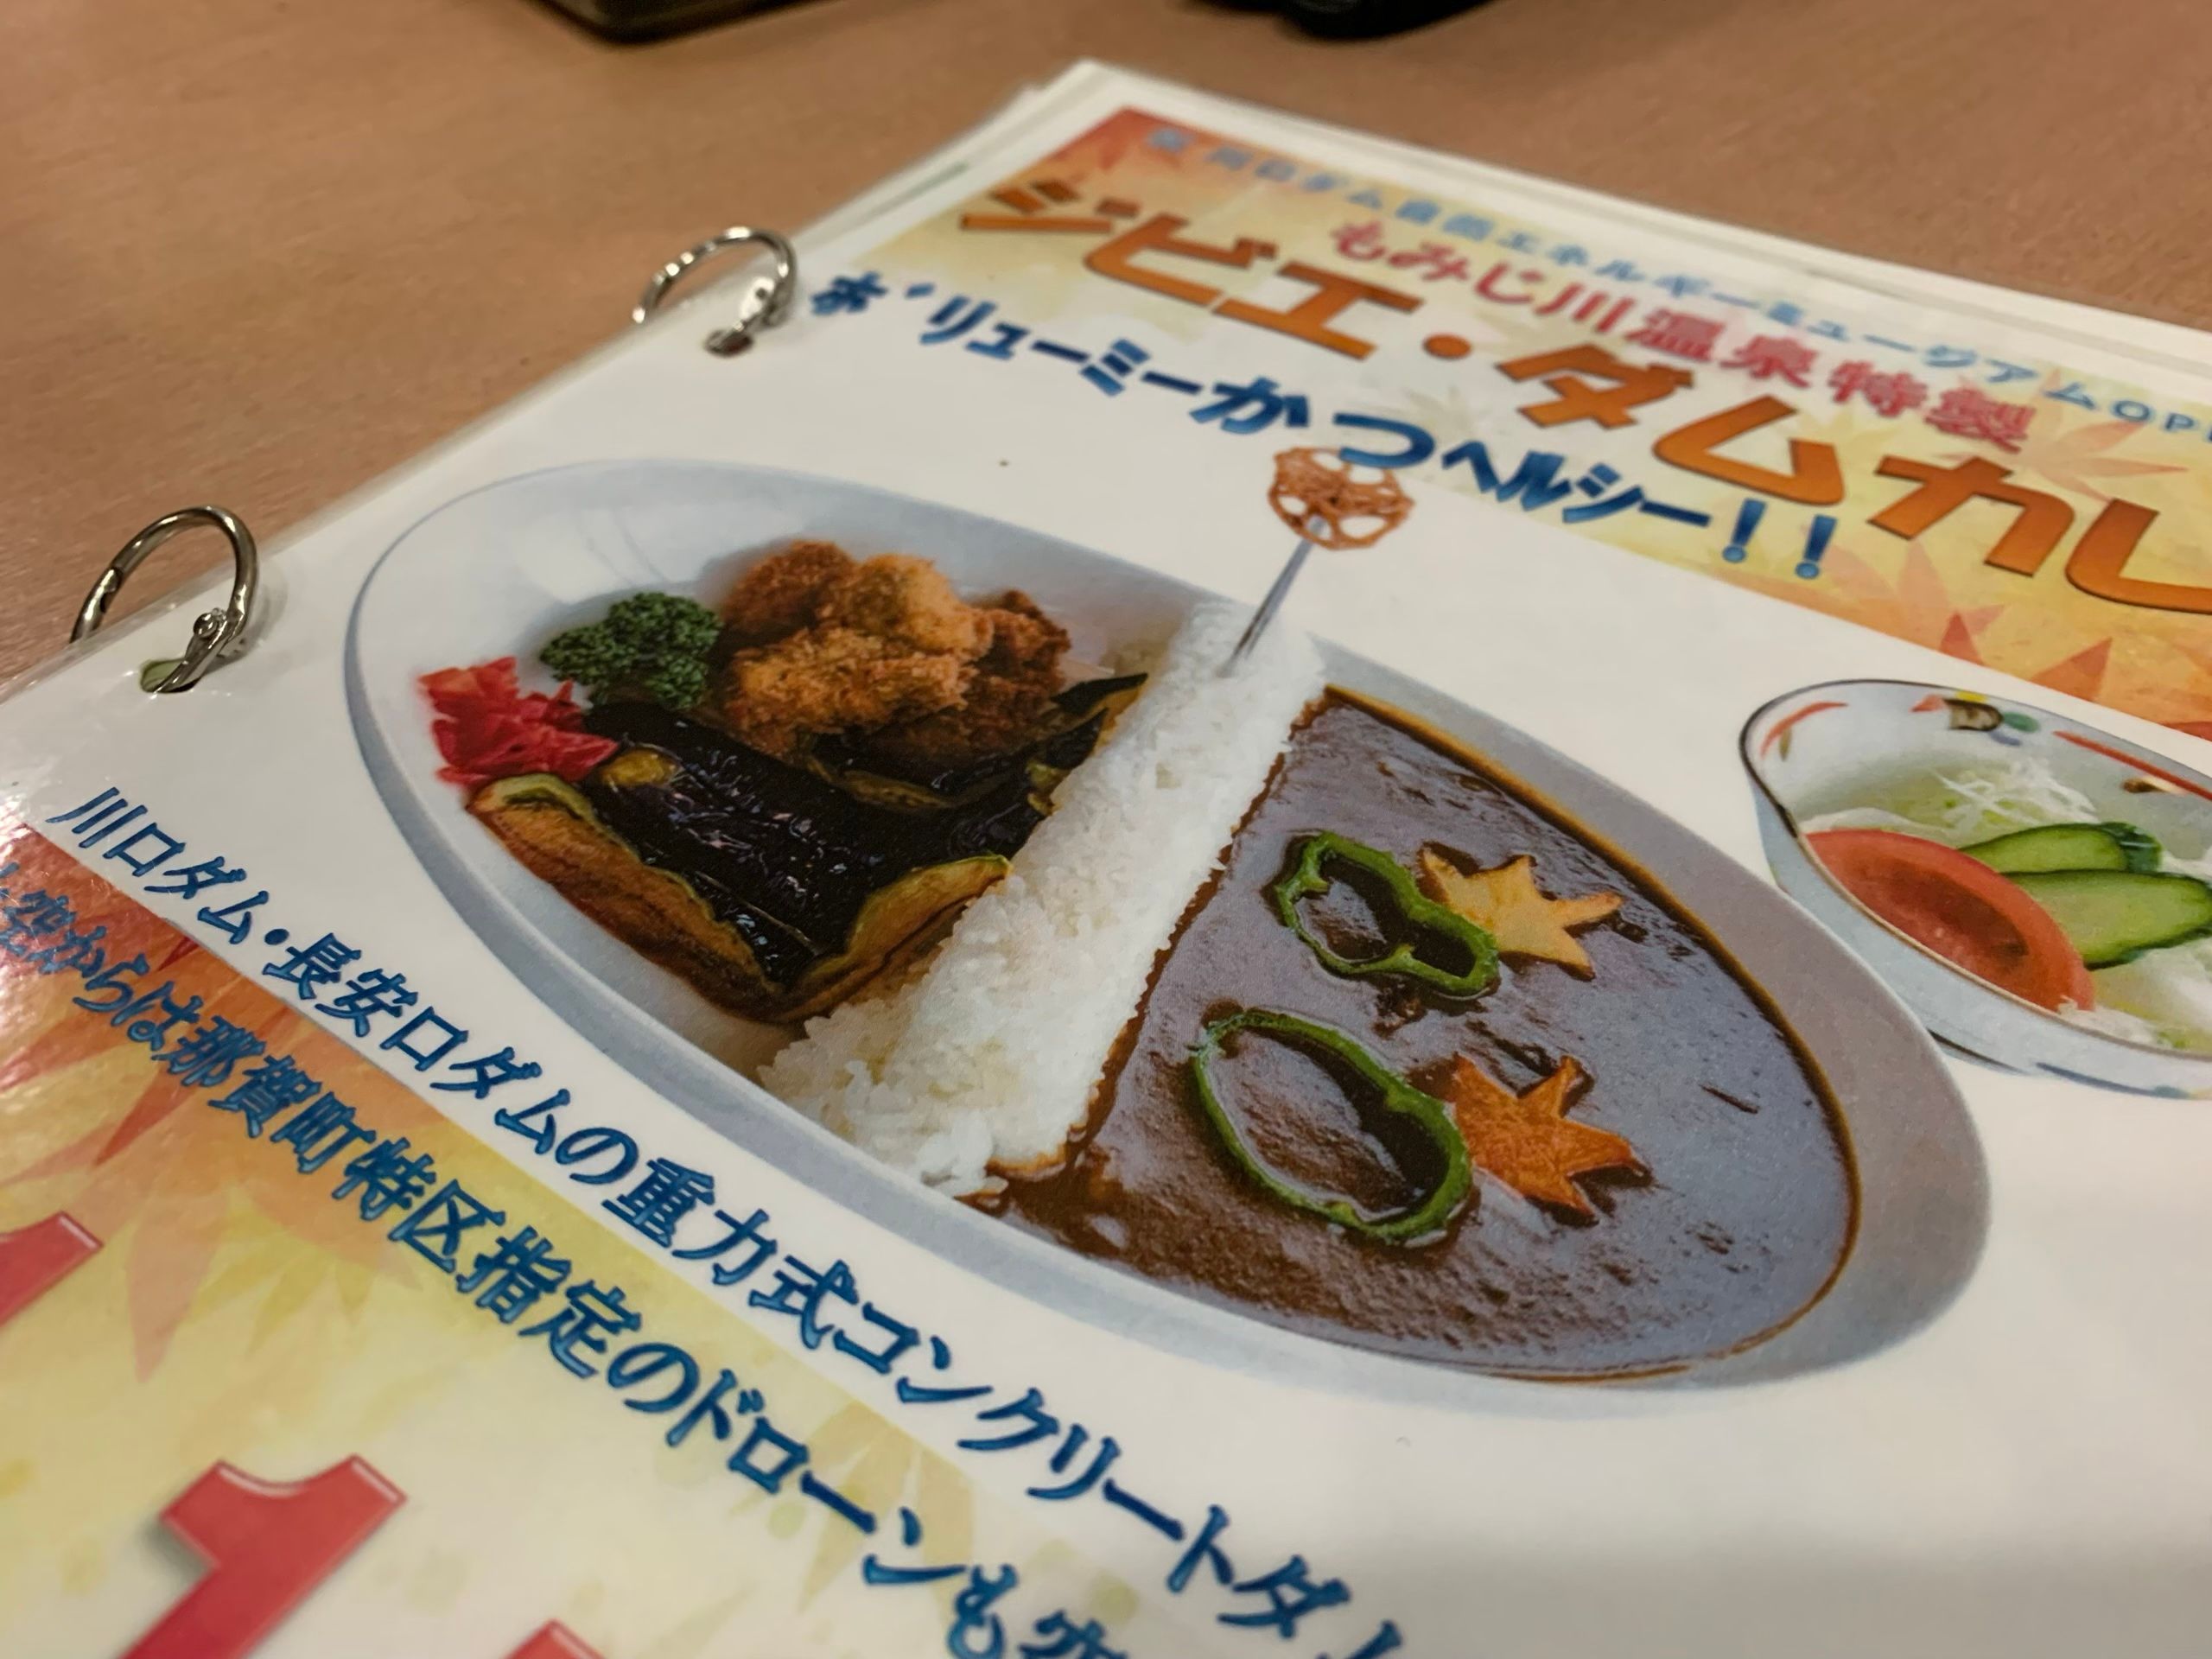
[762,305]
[215,634]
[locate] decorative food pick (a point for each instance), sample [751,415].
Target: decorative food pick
[1527,1141]
[1507,904]
[1323,497]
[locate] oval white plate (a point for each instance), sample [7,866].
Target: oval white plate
[496,573]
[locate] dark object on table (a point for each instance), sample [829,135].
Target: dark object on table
[647,20]
[1356,19]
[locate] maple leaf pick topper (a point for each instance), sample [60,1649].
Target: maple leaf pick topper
[1506,903]
[1527,1141]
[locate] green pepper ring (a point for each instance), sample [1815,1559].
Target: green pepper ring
[1414,1226]
[1304,878]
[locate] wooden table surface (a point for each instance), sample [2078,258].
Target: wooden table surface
[257,252]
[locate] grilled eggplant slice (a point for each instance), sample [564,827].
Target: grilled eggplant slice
[768,955]
[775,891]
[552,827]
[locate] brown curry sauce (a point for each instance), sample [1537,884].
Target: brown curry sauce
[1740,1221]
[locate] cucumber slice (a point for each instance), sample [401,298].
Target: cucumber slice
[2069,847]
[2115,916]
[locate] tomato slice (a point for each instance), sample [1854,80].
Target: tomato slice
[1961,909]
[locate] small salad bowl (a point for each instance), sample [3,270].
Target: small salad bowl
[2029,930]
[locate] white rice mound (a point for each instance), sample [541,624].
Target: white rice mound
[989,1056]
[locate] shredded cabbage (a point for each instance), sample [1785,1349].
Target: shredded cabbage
[1970,804]
[2112,1021]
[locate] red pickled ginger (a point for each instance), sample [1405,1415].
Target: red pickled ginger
[488,726]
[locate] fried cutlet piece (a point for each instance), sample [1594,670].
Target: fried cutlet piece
[778,597]
[1026,644]
[996,717]
[1007,706]
[835,679]
[907,601]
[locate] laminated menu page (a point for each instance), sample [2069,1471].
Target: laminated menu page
[1274,898]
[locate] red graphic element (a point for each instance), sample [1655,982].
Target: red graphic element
[1768,357]
[2143,766]
[1588,310]
[2081,675]
[1970,412]
[1436,261]
[267,1547]
[1359,241]
[1958,640]
[487,728]
[1486,285]
[1890,394]
[34,1259]
[1679,333]
[1775,732]
[555,1640]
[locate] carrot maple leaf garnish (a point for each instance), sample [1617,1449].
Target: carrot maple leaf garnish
[1507,902]
[1527,1141]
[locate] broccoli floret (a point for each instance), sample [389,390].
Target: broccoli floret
[649,645]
